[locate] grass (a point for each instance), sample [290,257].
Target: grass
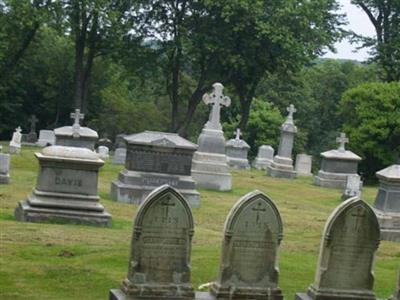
[54,261]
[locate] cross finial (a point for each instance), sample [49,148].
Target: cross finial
[216,99]
[291,109]
[238,134]
[18,129]
[77,116]
[33,120]
[342,139]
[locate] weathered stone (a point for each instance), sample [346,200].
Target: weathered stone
[154,159]
[387,202]
[249,260]
[303,165]
[210,168]
[236,152]
[4,168]
[66,189]
[353,187]
[103,152]
[46,138]
[15,143]
[336,165]
[119,157]
[159,264]
[264,157]
[346,258]
[282,165]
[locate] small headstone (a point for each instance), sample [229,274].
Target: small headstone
[303,165]
[103,152]
[346,258]
[120,140]
[210,168]
[46,138]
[264,157]
[119,157]
[249,260]
[4,167]
[15,143]
[236,152]
[353,187]
[282,165]
[159,264]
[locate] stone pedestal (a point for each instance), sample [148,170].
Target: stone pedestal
[46,138]
[303,165]
[236,152]
[66,189]
[154,159]
[4,168]
[387,203]
[264,157]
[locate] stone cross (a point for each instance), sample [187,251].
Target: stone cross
[217,99]
[342,140]
[77,116]
[238,134]
[291,109]
[33,120]
[18,129]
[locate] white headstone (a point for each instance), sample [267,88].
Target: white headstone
[303,165]
[103,152]
[216,99]
[46,137]
[353,187]
[264,157]
[15,143]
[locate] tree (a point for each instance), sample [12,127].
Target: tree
[385,17]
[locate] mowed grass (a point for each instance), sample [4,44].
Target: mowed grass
[55,261]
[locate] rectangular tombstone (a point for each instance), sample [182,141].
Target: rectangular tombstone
[46,138]
[249,260]
[350,240]
[119,157]
[4,168]
[353,187]
[303,165]
[159,265]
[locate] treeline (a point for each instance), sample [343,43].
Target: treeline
[137,65]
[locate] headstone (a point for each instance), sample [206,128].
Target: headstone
[396,295]
[303,165]
[282,165]
[31,137]
[154,159]
[264,157]
[15,143]
[103,152]
[76,135]
[4,167]
[119,157]
[159,264]
[249,260]
[336,165]
[387,202]
[120,140]
[46,138]
[236,152]
[353,187]
[210,168]
[346,258]
[66,189]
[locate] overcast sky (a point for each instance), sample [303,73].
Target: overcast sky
[359,23]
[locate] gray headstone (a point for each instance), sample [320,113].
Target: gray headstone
[66,189]
[103,152]
[249,260]
[159,264]
[46,138]
[236,152]
[353,187]
[4,168]
[282,165]
[120,140]
[31,137]
[264,157]
[303,165]
[119,157]
[346,258]
[15,143]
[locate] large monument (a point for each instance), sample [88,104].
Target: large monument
[236,152]
[336,165]
[209,168]
[282,165]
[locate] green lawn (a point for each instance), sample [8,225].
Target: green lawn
[53,261]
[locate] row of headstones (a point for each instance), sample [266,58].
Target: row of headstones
[159,264]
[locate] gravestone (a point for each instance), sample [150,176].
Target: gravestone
[159,264]
[76,135]
[103,152]
[346,258]
[249,259]
[66,189]
[387,202]
[46,138]
[154,159]
[303,165]
[336,165]
[264,157]
[282,164]
[15,143]
[236,152]
[120,140]
[119,157]
[353,187]
[32,135]
[4,167]
[210,165]
[396,295]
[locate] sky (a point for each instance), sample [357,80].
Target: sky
[360,24]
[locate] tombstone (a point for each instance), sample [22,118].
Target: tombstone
[119,157]
[264,157]
[249,259]
[396,295]
[387,202]
[15,143]
[353,187]
[32,135]
[236,152]
[159,264]
[66,189]
[4,167]
[103,152]
[153,159]
[282,164]
[76,135]
[210,165]
[346,258]
[336,165]
[120,140]
[303,165]
[46,138]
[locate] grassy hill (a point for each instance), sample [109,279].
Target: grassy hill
[54,261]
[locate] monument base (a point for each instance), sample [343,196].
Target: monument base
[43,207]
[4,179]
[331,180]
[335,295]
[221,292]
[262,164]
[390,225]
[238,163]
[134,186]
[281,167]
